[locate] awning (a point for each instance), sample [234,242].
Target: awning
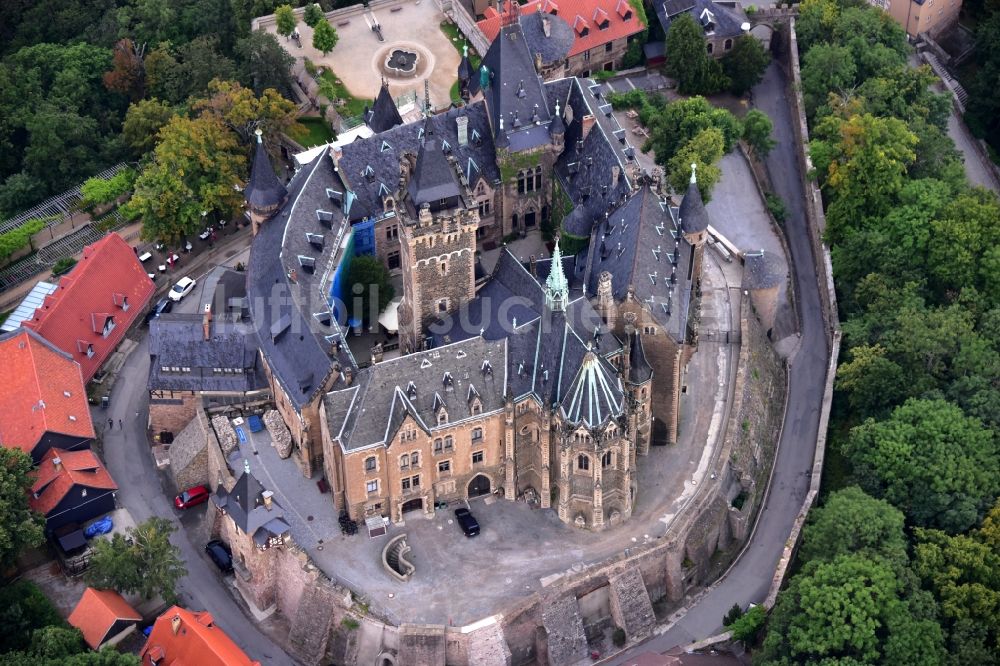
[389,319]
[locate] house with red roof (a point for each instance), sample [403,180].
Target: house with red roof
[71,487]
[42,397]
[181,637]
[104,618]
[601,32]
[94,305]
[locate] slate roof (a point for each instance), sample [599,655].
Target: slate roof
[465,72]
[584,168]
[569,41]
[383,115]
[77,468]
[97,612]
[299,344]
[515,91]
[244,504]
[433,178]
[640,370]
[370,412]
[727,21]
[197,641]
[640,244]
[177,340]
[763,270]
[595,395]
[692,213]
[90,293]
[382,152]
[42,391]
[264,189]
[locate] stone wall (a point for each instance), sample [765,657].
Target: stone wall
[171,411]
[189,454]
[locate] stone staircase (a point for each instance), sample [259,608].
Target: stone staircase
[394,559]
[960,93]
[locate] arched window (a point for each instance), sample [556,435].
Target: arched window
[709,47]
[477,434]
[448,443]
[415,459]
[370,464]
[582,462]
[404,461]
[538,178]
[606,459]
[728,44]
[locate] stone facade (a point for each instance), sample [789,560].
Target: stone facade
[565,640]
[171,411]
[189,454]
[604,57]
[631,608]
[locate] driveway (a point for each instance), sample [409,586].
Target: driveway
[749,579]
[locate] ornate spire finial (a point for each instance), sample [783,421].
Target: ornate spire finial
[557,107]
[259,134]
[465,50]
[246,465]
[556,285]
[694,172]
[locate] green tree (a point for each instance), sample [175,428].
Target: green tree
[105,190]
[23,609]
[748,626]
[324,37]
[285,20]
[195,167]
[757,132]
[20,527]
[745,63]
[370,289]
[704,150]
[145,563]
[142,125]
[826,68]
[687,61]
[853,522]
[243,112]
[61,646]
[929,459]
[313,14]
[263,63]
[16,239]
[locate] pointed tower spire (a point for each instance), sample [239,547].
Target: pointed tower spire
[556,285]
[264,192]
[694,217]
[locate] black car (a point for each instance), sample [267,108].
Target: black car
[220,554]
[162,305]
[468,522]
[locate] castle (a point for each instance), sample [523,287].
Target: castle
[547,381]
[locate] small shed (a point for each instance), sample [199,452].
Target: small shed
[103,617]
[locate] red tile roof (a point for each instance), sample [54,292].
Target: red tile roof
[76,468]
[42,391]
[188,638]
[74,317]
[97,612]
[580,14]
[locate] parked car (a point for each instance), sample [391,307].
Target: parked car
[162,305]
[468,522]
[219,552]
[191,497]
[181,289]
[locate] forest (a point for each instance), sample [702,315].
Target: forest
[900,561]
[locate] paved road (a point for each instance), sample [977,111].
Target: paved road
[749,579]
[142,491]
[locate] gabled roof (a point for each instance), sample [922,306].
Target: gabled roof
[97,612]
[415,387]
[108,270]
[622,22]
[42,391]
[264,191]
[726,22]
[75,468]
[383,115]
[196,640]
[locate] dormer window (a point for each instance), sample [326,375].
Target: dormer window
[121,300]
[442,416]
[109,325]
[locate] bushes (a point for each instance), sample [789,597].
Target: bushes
[23,609]
[63,265]
[105,190]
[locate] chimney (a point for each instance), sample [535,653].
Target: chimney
[538,62]
[615,173]
[57,463]
[267,495]
[206,322]
[462,123]
[348,376]
[588,123]
[546,25]
[175,624]
[533,265]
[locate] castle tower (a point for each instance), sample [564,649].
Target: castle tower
[556,286]
[694,225]
[438,243]
[264,192]
[383,115]
[465,74]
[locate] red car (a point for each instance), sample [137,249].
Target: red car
[191,497]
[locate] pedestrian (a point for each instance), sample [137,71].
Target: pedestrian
[120,426]
[111,424]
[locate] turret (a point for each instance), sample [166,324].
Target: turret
[264,192]
[465,74]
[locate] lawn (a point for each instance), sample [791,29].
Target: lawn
[315,131]
[457,39]
[353,106]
